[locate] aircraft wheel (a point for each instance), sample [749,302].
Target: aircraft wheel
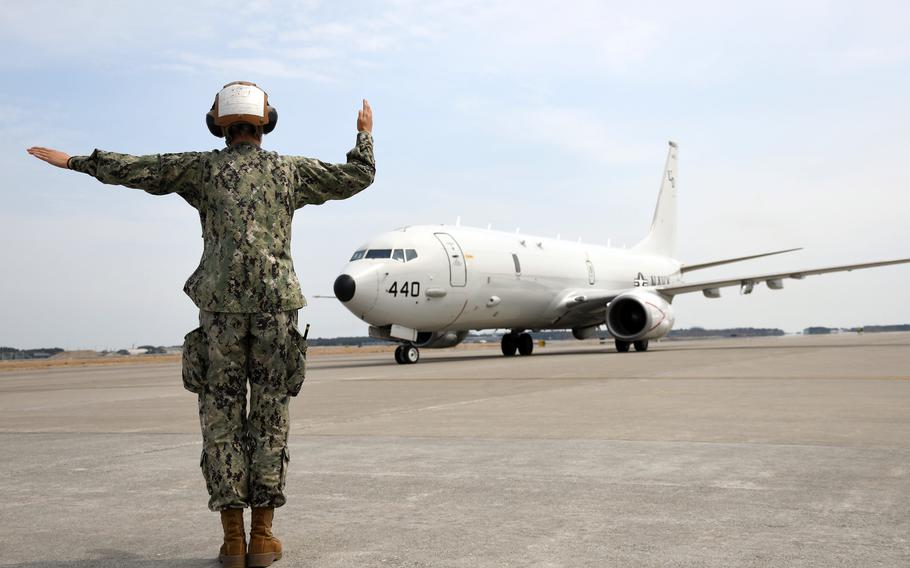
[641,345]
[525,344]
[410,354]
[622,346]
[399,358]
[509,344]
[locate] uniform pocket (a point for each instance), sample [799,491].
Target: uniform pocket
[204,465]
[195,361]
[296,362]
[285,461]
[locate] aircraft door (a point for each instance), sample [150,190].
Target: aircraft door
[591,279]
[458,270]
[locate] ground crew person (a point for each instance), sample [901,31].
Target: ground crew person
[247,293]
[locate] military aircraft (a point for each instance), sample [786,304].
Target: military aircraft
[428,285]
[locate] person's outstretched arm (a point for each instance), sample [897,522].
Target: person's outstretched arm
[318,181]
[158,174]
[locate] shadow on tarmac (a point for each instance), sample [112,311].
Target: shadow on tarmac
[119,558]
[607,349]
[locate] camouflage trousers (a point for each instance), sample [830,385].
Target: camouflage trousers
[245,455]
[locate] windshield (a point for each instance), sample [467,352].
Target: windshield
[379,253]
[401,255]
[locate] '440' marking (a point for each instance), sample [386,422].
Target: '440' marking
[406,289]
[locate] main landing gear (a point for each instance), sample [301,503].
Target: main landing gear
[406,354]
[521,342]
[623,346]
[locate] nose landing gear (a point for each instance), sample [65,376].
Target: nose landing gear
[523,343]
[406,354]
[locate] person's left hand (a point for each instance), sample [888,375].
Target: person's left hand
[52,157]
[365,118]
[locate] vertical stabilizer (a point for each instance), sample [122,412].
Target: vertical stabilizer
[662,238]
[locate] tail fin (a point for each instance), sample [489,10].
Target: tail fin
[662,238]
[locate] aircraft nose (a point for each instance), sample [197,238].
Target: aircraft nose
[345,288]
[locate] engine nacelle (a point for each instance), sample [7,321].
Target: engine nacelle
[585,332]
[439,339]
[638,315]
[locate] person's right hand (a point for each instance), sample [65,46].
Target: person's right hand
[365,118]
[52,157]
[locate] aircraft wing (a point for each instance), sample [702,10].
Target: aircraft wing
[690,267]
[711,287]
[580,306]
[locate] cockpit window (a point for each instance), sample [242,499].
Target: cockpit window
[379,253]
[401,255]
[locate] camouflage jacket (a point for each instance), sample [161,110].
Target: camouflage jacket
[246,198]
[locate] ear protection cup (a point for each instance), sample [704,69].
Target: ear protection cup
[213,128]
[273,121]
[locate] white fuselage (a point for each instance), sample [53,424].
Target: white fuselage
[428,285]
[465,278]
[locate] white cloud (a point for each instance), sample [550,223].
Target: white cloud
[259,66]
[866,56]
[10,114]
[583,133]
[311,53]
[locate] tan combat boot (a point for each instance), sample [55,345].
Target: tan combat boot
[264,548]
[233,551]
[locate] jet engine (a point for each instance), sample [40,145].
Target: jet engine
[439,339]
[638,315]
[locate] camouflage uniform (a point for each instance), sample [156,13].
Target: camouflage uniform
[247,293]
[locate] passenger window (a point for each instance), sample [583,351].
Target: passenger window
[398,255]
[412,254]
[379,253]
[358,255]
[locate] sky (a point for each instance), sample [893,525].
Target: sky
[791,118]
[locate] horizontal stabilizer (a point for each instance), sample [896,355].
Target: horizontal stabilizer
[690,267]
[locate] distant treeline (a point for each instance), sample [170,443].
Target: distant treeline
[819,330]
[7,353]
[351,340]
[693,332]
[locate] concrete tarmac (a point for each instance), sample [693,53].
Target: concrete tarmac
[789,451]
